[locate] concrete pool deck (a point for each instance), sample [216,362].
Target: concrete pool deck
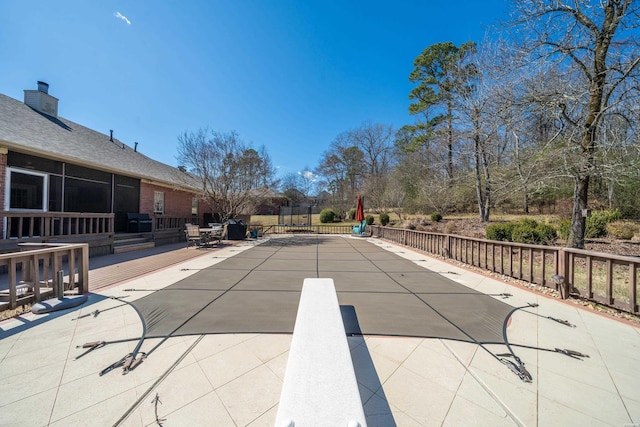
[235,379]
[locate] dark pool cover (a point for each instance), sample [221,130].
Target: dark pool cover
[380,293]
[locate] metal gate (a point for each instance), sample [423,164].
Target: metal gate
[295,215]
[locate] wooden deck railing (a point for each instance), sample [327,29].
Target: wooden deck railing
[32,272]
[163,222]
[605,278]
[29,225]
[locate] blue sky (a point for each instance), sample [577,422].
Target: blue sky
[289,75]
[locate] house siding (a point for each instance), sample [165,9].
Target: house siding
[43,142]
[176,203]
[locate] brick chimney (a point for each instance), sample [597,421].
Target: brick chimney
[40,100]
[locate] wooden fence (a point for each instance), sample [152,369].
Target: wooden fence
[605,278]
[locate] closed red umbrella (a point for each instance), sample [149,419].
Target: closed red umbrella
[359,209]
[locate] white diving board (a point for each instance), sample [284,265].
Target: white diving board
[320,386]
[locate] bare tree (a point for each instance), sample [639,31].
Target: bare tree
[529,130]
[375,141]
[292,188]
[413,167]
[308,180]
[593,42]
[298,186]
[341,167]
[232,175]
[477,105]
[395,195]
[358,162]
[619,154]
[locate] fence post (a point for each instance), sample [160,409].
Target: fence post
[563,273]
[59,290]
[446,251]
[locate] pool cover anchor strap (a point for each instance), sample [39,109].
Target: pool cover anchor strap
[555,319]
[503,295]
[115,365]
[95,313]
[571,353]
[128,363]
[132,362]
[90,346]
[517,368]
[563,322]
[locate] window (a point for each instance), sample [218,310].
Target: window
[158,202]
[27,190]
[194,206]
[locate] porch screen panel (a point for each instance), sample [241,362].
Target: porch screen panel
[37,164]
[55,193]
[87,190]
[127,200]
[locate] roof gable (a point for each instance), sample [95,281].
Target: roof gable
[24,129]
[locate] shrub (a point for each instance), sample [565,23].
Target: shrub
[451,227]
[436,217]
[500,232]
[597,223]
[542,234]
[384,219]
[564,229]
[327,215]
[547,235]
[524,233]
[529,222]
[369,219]
[623,230]
[352,213]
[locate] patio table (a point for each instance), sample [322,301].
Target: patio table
[211,233]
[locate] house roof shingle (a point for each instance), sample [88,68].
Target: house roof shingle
[26,130]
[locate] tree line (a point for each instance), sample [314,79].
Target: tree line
[543,112]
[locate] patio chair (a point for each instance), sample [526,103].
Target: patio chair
[193,234]
[359,229]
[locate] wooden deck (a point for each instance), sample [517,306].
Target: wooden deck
[110,270]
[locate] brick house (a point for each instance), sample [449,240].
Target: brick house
[51,168]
